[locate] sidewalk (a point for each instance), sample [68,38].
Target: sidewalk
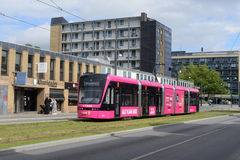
[207,107]
[31,117]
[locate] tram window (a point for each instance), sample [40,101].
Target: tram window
[112,96]
[152,96]
[128,94]
[194,99]
[107,97]
[127,99]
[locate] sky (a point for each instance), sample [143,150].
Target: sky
[211,24]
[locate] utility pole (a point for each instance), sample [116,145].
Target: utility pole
[116,46]
[201,93]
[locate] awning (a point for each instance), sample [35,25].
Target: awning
[72,96]
[58,95]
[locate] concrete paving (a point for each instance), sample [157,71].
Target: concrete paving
[31,117]
[207,107]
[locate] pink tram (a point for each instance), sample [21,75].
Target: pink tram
[102,96]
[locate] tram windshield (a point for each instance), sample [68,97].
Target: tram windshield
[91,89]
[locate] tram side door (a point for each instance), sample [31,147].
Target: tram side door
[117,101]
[159,104]
[186,102]
[145,102]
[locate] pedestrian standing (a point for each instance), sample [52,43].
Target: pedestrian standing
[47,104]
[54,107]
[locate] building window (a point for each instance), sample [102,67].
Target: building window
[129,75]
[75,45]
[145,77]
[109,24]
[86,45]
[133,42]
[109,71]
[98,24]
[17,62]
[103,70]
[124,74]
[109,43]
[72,98]
[70,71]
[122,33]
[133,63]
[121,42]
[109,54]
[41,75]
[4,62]
[121,54]
[52,69]
[120,64]
[137,76]
[86,69]
[94,69]
[109,33]
[61,70]
[134,32]
[30,65]
[121,22]
[96,54]
[76,35]
[133,53]
[79,70]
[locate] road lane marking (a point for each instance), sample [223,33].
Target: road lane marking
[180,143]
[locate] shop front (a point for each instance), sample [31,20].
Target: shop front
[25,99]
[58,95]
[72,95]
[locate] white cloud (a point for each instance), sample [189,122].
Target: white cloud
[195,24]
[34,35]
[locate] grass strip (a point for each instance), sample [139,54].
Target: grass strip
[12,135]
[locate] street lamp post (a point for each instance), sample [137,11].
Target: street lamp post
[221,95]
[116,47]
[201,93]
[177,76]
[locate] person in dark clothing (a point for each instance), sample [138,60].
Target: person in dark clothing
[47,104]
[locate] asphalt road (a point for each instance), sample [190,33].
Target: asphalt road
[213,138]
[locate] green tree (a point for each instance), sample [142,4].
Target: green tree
[29,45]
[211,80]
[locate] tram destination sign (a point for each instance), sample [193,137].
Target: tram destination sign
[91,84]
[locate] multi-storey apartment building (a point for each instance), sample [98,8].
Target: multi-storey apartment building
[225,62]
[133,42]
